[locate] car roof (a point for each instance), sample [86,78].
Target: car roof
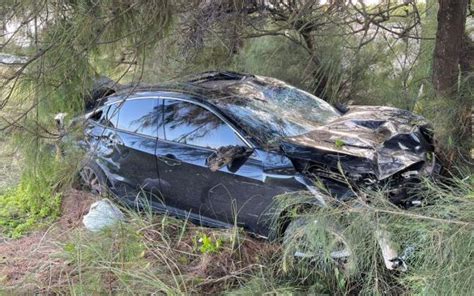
[207,86]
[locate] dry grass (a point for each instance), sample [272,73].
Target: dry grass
[32,263]
[156,254]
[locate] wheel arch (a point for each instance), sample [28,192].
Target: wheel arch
[92,161]
[284,217]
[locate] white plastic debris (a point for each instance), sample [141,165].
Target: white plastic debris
[59,118]
[390,256]
[102,214]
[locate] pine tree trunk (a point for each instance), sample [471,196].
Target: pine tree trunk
[449,44]
[448,68]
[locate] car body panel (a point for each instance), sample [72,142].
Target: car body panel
[128,160]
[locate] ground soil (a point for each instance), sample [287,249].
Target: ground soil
[32,262]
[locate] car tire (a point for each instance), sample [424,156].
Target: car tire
[92,178]
[301,247]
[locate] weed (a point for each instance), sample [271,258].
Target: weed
[207,244]
[441,233]
[144,254]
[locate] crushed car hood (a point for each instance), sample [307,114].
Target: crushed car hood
[367,139]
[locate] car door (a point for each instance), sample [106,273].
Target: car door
[192,133]
[129,144]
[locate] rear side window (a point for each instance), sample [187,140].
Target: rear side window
[139,116]
[191,124]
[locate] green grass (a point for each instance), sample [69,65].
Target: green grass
[441,234]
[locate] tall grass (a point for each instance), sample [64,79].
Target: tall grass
[437,238]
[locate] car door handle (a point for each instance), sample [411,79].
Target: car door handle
[170,160]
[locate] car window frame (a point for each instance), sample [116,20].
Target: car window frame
[204,106]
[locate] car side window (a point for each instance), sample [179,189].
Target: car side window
[103,116]
[139,116]
[192,124]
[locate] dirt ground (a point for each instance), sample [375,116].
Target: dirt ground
[33,260]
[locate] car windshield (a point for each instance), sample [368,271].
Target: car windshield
[269,109]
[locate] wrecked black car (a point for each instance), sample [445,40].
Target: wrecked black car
[218,147]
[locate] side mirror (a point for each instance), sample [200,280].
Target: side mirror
[232,156]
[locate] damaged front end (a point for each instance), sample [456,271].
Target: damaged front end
[367,149]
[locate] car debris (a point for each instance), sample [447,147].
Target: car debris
[102,214]
[391,258]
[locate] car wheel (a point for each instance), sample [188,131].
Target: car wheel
[92,178]
[324,247]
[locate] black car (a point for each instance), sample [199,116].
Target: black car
[218,147]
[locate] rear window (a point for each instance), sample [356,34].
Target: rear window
[105,116]
[97,115]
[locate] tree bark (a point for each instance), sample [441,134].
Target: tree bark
[449,45]
[450,65]
[467,58]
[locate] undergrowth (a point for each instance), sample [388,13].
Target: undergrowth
[154,254]
[36,200]
[437,239]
